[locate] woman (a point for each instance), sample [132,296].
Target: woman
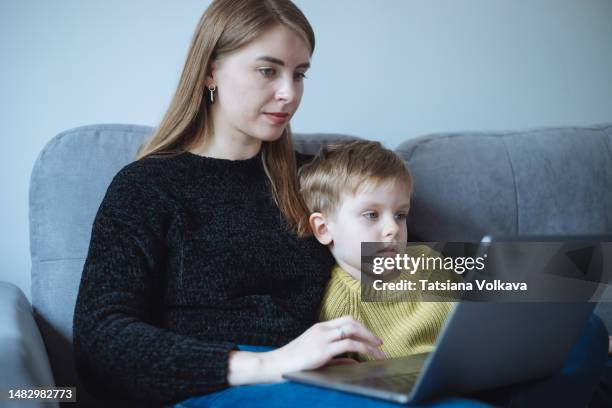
[193,257]
[192,249]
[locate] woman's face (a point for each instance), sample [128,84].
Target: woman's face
[259,86]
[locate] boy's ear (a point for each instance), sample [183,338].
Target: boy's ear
[319,227]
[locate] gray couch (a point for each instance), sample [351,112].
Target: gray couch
[556,180]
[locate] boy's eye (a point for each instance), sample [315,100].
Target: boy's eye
[267,72]
[370,215]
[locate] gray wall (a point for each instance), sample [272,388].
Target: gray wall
[386,70]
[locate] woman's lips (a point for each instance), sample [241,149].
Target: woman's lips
[277,118]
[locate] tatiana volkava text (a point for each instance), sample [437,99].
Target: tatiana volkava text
[423,284]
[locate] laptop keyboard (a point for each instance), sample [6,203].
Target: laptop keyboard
[400,382]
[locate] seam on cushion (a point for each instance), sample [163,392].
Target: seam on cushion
[436,137]
[33,209]
[303,139]
[607,143]
[605,132]
[419,143]
[424,140]
[120,127]
[60,260]
[516,201]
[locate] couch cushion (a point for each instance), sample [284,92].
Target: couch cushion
[23,357]
[68,182]
[544,181]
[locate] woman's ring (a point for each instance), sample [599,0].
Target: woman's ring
[342,334]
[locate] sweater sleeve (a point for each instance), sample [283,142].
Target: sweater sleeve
[119,351]
[338,300]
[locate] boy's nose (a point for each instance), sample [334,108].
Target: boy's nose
[390,230]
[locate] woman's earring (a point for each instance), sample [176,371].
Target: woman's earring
[212,90]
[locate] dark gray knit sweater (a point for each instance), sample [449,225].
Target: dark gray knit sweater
[188,257]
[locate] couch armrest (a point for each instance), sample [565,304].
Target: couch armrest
[23,356]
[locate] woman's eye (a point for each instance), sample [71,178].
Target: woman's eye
[370,215]
[267,72]
[401,216]
[300,76]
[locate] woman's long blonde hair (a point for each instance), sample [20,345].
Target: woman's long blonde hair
[225,26]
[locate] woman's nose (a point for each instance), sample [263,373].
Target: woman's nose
[287,90]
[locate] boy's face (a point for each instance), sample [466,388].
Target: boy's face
[377,213]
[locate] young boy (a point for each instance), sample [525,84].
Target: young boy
[356,192]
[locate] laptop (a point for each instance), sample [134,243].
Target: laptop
[477,349]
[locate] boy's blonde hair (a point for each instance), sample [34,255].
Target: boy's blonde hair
[346,167]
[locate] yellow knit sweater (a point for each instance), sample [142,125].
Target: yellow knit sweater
[405,327]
